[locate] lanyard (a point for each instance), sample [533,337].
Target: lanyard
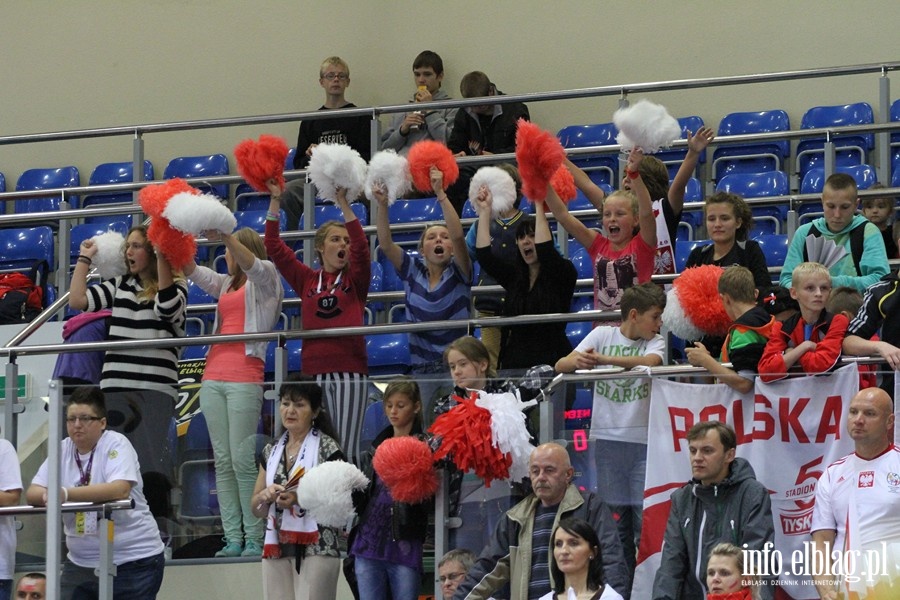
[330,290]
[85,473]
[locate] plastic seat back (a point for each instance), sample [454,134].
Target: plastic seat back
[604,167]
[673,158]
[21,248]
[751,157]
[849,149]
[814,180]
[85,231]
[42,179]
[683,249]
[388,353]
[198,167]
[774,248]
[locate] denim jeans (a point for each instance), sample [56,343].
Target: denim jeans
[232,413]
[136,580]
[5,588]
[382,580]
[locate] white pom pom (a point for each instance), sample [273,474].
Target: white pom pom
[196,213]
[109,259]
[391,170]
[647,126]
[501,186]
[676,320]
[333,166]
[324,492]
[508,431]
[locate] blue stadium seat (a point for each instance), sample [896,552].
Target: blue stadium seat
[388,353]
[2,183]
[374,422]
[601,168]
[693,191]
[849,149]
[291,313]
[895,117]
[814,180]
[289,160]
[415,211]
[247,198]
[580,303]
[194,352]
[199,323]
[255,219]
[583,264]
[468,212]
[80,233]
[332,212]
[895,178]
[114,172]
[774,248]
[197,475]
[21,248]
[42,179]
[577,330]
[751,157]
[376,284]
[673,158]
[683,250]
[198,167]
[767,219]
[691,221]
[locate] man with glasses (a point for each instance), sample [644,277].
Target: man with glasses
[334,77]
[453,567]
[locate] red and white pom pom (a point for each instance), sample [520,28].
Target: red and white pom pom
[426,154]
[333,166]
[406,465]
[563,184]
[196,213]
[693,306]
[259,161]
[539,154]
[390,170]
[154,198]
[647,126]
[501,186]
[178,247]
[324,492]
[508,431]
[109,259]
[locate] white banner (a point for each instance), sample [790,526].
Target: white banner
[789,431]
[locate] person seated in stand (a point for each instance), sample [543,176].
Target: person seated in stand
[879,210]
[10,493]
[778,303]
[576,564]
[504,247]
[334,77]
[480,130]
[98,465]
[408,128]
[865,259]
[538,281]
[726,578]
[626,254]
[621,409]
[453,567]
[668,200]
[811,340]
[32,586]
[747,336]
[846,301]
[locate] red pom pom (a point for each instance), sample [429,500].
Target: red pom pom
[465,433]
[257,162]
[698,294]
[564,184]
[426,154]
[405,464]
[539,155]
[178,248]
[154,198]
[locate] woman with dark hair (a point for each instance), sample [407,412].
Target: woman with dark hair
[301,559]
[576,566]
[539,281]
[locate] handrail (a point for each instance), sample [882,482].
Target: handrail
[607,90]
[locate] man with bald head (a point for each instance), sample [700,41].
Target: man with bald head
[858,496]
[519,551]
[32,586]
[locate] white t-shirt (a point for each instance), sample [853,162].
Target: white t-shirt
[136,533]
[860,499]
[665,254]
[10,479]
[608,594]
[621,406]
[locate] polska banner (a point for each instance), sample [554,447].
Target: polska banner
[789,431]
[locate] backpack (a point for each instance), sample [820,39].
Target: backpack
[857,237]
[21,299]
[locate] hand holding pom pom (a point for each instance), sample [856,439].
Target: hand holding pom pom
[646,125]
[428,154]
[539,155]
[325,492]
[564,184]
[389,171]
[336,166]
[108,259]
[498,185]
[260,161]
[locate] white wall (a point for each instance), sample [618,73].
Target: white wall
[95,63]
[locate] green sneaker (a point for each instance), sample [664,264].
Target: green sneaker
[252,548]
[231,550]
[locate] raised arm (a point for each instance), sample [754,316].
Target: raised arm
[454,226]
[541,225]
[697,143]
[485,202]
[393,252]
[78,285]
[576,228]
[593,192]
[646,220]
[344,205]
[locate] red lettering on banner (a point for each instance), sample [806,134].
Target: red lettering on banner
[763,423]
[788,418]
[830,423]
[716,412]
[681,420]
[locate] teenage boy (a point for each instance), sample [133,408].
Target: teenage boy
[864,261]
[409,128]
[747,336]
[334,77]
[621,409]
[811,339]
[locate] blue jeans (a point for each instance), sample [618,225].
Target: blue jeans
[232,413]
[5,589]
[382,580]
[136,580]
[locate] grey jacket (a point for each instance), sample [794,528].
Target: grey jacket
[438,124]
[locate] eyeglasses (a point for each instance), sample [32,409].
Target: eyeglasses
[82,418]
[340,76]
[450,577]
